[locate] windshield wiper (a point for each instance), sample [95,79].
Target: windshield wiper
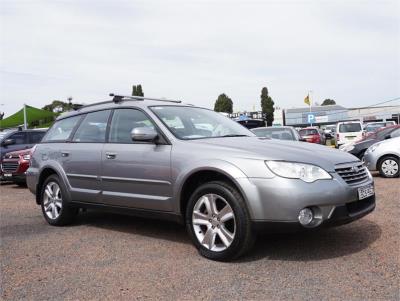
[234,135]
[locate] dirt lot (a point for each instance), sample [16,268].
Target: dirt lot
[107,256]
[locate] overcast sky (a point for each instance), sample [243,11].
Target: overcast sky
[195,50]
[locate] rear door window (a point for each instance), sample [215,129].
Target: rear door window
[93,127]
[308,132]
[62,129]
[350,127]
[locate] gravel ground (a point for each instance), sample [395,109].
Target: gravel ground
[104,256]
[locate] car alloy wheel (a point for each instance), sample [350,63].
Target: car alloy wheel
[52,200]
[390,167]
[213,222]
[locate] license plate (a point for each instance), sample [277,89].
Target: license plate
[8,175]
[366,191]
[350,137]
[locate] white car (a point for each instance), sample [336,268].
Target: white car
[384,157]
[348,131]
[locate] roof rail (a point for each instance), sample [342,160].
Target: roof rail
[119,98]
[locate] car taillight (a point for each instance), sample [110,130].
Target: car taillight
[337,137]
[33,149]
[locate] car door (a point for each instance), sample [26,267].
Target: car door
[81,158]
[135,174]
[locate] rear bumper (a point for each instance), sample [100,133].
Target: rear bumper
[341,215]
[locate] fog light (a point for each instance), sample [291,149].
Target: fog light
[306,216]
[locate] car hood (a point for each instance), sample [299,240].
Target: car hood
[267,149]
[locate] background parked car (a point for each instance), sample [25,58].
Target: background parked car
[14,140]
[312,135]
[14,166]
[384,157]
[348,131]
[358,149]
[252,123]
[374,126]
[277,132]
[329,131]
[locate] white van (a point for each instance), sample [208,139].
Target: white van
[348,131]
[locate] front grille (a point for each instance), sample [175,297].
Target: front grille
[9,166]
[353,173]
[358,206]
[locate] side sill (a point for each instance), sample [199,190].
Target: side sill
[145,213]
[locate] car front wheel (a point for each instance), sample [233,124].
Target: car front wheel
[218,222]
[389,167]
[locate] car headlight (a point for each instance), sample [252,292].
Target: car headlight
[306,172]
[348,148]
[26,157]
[372,148]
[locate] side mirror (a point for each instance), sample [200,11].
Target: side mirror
[144,134]
[8,142]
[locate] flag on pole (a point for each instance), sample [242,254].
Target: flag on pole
[307,99]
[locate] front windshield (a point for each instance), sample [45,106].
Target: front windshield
[196,123]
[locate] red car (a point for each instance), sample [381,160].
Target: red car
[15,165]
[311,135]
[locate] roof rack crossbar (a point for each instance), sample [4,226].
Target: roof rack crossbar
[119,98]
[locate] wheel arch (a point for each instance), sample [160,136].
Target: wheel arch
[200,176]
[44,173]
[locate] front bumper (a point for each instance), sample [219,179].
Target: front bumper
[15,177]
[279,200]
[342,215]
[370,161]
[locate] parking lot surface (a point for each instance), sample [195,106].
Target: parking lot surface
[106,256]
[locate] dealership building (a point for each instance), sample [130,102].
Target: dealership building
[324,115]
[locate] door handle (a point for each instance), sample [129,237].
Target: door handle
[64,154]
[111,155]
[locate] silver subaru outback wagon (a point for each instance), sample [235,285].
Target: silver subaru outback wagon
[169,160]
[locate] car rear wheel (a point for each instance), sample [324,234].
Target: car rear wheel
[218,222]
[389,167]
[55,209]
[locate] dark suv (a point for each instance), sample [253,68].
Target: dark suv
[15,140]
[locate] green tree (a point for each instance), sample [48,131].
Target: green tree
[223,104]
[267,106]
[57,106]
[328,102]
[137,90]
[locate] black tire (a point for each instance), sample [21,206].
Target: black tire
[381,164]
[66,213]
[244,237]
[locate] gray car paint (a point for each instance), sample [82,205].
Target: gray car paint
[382,148]
[150,176]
